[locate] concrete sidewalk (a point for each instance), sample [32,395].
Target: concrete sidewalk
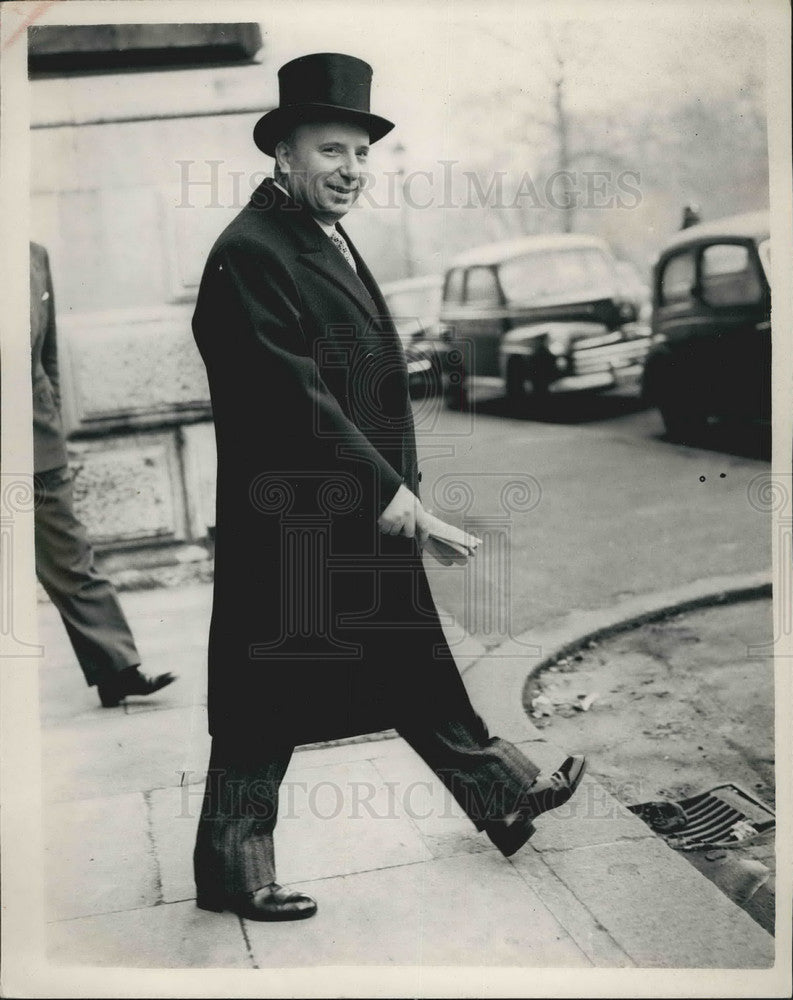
[401,876]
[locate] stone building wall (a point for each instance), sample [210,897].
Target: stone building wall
[134,172]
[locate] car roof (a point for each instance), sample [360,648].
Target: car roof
[754,224]
[496,253]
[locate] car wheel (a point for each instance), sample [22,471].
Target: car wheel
[684,421]
[455,395]
[522,389]
[455,390]
[434,383]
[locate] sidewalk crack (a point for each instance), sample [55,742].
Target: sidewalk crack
[247,941]
[153,847]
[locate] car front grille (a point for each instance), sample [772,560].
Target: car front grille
[622,354]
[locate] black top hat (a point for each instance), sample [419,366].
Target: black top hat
[325,86]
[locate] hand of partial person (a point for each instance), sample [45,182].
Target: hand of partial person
[405,515]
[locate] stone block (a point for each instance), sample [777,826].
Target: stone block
[98,856]
[123,753]
[128,489]
[178,936]
[593,939]
[658,910]
[441,913]
[442,823]
[131,364]
[378,745]
[341,819]
[174,815]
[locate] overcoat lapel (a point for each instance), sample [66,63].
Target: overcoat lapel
[318,253]
[328,262]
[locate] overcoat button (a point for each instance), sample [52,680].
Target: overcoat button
[420,477]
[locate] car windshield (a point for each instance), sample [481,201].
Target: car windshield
[557,276]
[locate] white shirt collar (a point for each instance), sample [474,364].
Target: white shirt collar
[324,226]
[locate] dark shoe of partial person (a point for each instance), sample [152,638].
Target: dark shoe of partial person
[545,793]
[113,690]
[273,902]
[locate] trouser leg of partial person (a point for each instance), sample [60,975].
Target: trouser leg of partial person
[234,852]
[488,776]
[87,601]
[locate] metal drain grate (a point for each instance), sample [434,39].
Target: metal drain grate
[725,816]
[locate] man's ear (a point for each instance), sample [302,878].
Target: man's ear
[282,157]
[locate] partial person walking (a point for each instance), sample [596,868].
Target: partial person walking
[323,624]
[86,600]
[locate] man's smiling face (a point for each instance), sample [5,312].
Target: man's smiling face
[323,166]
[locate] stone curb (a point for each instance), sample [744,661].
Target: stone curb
[625,617]
[496,681]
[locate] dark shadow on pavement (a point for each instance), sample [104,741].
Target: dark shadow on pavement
[565,408]
[744,440]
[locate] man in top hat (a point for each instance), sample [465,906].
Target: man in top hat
[323,624]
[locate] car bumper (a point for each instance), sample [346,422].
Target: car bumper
[602,366]
[613,377]
[419,366]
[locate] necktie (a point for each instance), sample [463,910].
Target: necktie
[338,241]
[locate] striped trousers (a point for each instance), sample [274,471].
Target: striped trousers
[234,843]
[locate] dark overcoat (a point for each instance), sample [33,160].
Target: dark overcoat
[321,627]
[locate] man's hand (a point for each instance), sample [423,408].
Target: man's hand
[405,515]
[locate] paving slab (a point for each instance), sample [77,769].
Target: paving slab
[332,821]
[652,904]
[592,816]
[171,635]
[341,819]
[442,823]
[313,754]
[175,936]
[173,816]
[436,914]
[590,936]
[117,753]
[98,856]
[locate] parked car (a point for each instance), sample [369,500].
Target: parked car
[537,315]
[414,304]
[635,289]
[711,354]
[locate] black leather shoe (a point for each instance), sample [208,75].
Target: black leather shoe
[113,690]
[510,834]
[554,791]
[273,902]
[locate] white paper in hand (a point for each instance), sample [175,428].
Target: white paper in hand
[449,542]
